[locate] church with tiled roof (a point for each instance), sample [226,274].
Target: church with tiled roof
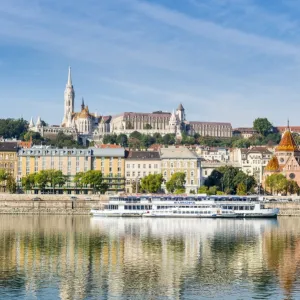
[286,159]
[91,126]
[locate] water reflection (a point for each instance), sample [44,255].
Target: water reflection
[51,257]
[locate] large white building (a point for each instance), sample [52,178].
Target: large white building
[91,126]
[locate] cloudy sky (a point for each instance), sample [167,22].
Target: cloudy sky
[225,60]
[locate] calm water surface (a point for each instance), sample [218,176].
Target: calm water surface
[65,257]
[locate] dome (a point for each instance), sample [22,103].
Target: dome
[273,165]
[287,142]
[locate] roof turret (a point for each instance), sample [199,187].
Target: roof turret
[273,165]
[287,142]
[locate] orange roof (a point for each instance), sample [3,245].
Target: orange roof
[273,165]
[104,146]
[287,142]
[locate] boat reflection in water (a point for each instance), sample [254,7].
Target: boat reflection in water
[81,257]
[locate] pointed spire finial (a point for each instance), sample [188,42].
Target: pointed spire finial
[288,124]
[82,104]
[69,77]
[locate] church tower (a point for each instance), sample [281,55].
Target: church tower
[69,102]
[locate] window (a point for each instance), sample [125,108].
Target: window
[192,174]
[149,166]
[128,166]
[139,174]
[139,166]
[43,163]
[144,166]
[155,166]
[133,174]
[128,174]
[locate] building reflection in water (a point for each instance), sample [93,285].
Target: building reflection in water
[82,257]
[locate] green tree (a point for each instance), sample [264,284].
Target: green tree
[241,143]
[136,135]
[122,140]
[152,183]
[241,189]
[41,179]
[212,190]
[56,178]
[95,180]
[110,139]
[134,143]
[158,138]
[147,140]
[13,128]
[28,182]
[292,187]
[147,126]
[11,184]
[179,191]
[168,139]
[203,189]
[177,182]
[263,126]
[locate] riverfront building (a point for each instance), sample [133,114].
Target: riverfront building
[72,161]
[181,159]
[140,164]
[286,159]
[8,160]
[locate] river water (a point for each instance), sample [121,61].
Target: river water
[65,257]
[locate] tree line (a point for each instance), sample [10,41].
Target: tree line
[228,180]
[46,179]
[278,183]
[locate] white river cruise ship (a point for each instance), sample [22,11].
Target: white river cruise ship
[185,206]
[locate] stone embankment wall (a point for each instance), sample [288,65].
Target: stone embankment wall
[286,208]
[62,204]
[49,204]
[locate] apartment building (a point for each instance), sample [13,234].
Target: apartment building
[139,164]
[181,159]
[73,161]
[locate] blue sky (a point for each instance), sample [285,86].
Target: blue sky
[225,60]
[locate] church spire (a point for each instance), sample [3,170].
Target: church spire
[82,104]
[69,77]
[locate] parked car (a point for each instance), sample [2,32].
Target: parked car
[36,199]
[73,198]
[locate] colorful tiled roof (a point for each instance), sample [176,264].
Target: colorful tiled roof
[287,142]
[273,165]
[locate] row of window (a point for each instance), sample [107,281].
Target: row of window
[7,156]
[139,174]
[144,166]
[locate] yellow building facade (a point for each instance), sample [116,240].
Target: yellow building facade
[8,159]
[72,161]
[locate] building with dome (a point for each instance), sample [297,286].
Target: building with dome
[91,126]
[286,159]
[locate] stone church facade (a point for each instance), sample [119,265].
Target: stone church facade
[91,126]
